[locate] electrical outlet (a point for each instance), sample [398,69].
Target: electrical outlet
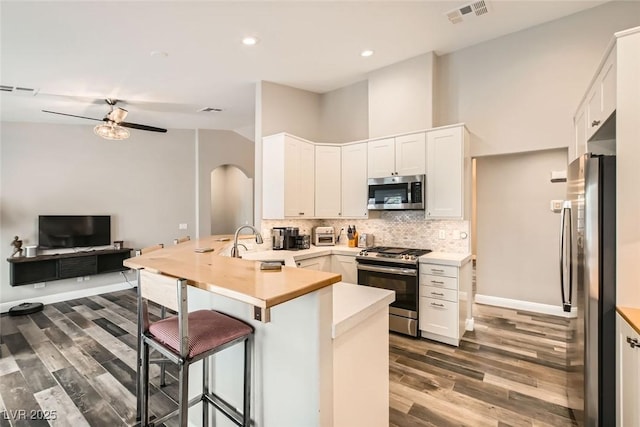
[39,285]
[442,234]
[456,234]
[87,277]
[79,279]
[182,226]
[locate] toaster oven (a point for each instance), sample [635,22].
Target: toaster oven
[323,236]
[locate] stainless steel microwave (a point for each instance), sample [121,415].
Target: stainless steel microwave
[396,193]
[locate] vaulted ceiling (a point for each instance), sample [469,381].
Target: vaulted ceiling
[167,60]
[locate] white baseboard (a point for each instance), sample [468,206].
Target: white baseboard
[66,296]
[535,307]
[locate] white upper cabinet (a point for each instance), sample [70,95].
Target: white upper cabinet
[354,180]
[410,151]
[381,158]
[402,155]
[328,181]
[288,177]
[580,133]
[601,97]
[448,173]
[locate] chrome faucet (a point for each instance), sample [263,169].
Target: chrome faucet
[234,249]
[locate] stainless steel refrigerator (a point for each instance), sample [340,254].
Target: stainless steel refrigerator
[588,274]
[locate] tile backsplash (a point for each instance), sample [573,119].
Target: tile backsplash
[401,228]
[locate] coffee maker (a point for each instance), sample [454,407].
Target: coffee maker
[290,238]
[277,238]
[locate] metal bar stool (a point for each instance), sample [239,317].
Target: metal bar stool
[163,314]
[187,338]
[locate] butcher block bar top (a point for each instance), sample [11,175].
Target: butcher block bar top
[234,278]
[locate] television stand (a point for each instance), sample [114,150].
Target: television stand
[46,268]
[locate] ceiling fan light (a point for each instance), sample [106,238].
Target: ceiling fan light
[118,114]
[111,131]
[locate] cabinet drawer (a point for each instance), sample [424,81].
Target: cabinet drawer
[439,270]
[439,293]
[439,317]
[439,281]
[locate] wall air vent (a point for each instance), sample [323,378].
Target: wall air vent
[469,10]
[18,89]
[209,110]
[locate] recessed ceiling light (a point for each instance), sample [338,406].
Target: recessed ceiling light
[250,41]
[366,53]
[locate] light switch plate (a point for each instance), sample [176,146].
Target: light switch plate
[442,234]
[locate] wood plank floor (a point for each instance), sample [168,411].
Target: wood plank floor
[73,364]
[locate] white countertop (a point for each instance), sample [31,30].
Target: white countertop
[353,304]
[446,258]
[290,257]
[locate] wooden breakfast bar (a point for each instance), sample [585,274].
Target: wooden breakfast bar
[292,312]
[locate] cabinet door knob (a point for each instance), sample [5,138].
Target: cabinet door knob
[595,123]
[633,342]
[339,213]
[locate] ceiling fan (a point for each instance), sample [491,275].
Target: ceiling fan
[114,126]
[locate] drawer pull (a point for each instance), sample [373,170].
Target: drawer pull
[436,282]
[595,123]
[437,270]
[437,305]
[633,342]
[437,293]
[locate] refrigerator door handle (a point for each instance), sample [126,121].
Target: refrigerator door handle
[565,220]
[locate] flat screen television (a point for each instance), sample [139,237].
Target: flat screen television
[71,231]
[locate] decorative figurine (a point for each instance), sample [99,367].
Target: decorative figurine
[17,247]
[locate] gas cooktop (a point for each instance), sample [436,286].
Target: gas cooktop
[392,254]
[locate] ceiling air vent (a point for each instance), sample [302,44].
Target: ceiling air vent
[209,110]
[19,89]
[469,10]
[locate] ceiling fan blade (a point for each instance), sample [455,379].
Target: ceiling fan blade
[141,127]
[72,115]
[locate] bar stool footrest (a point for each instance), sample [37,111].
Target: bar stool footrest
[223,406]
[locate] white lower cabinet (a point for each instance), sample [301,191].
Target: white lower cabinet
[628,374]
[346,266]
[444,301]
[319,263]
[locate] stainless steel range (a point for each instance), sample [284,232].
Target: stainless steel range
[395,269]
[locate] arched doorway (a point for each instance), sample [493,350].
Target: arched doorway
[231,199]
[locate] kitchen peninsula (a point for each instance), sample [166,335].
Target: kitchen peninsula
[308,329]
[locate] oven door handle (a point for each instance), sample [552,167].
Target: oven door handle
[389,270]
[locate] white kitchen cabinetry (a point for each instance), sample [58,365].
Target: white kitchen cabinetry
[580,132]
[346,266]
[328,181]
[601,97]
[319,263]
[354,180]
[448,173]
[288,177]
[628,375]
[444,301]
[401,155]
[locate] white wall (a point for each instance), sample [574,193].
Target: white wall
[344,114]
[518,234]
[401,96]
[231,199]
[287,109]
[217,148]
[145,183]
[519,92]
